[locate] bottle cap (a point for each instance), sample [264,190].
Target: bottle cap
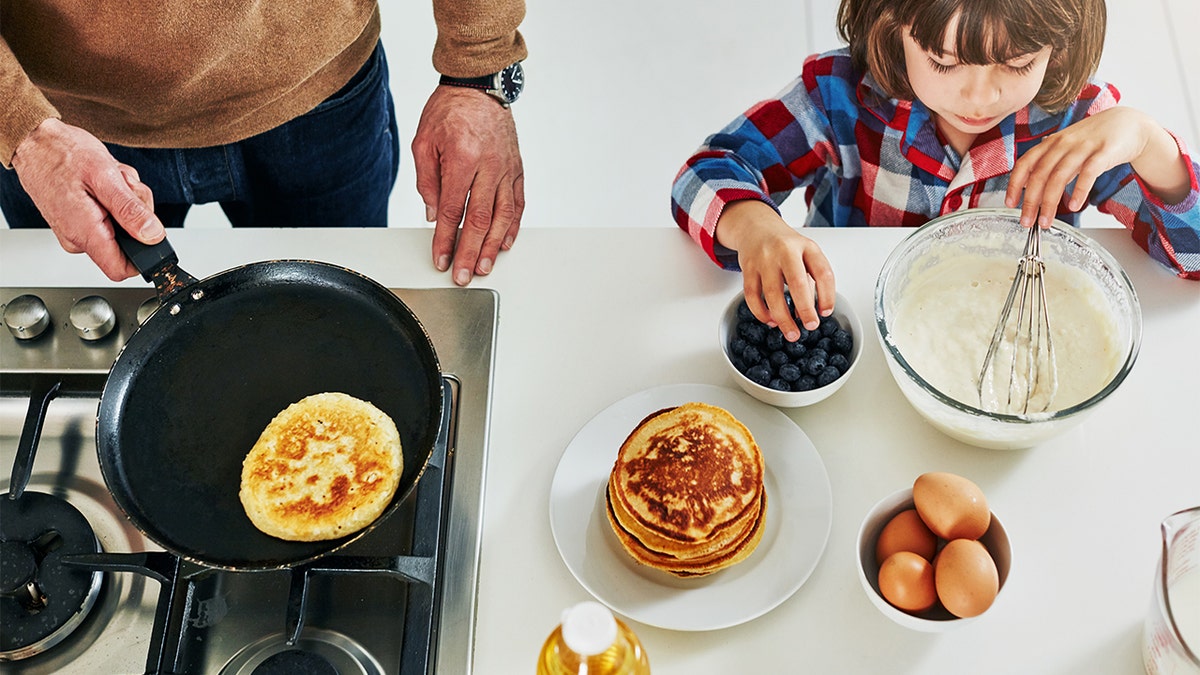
[588,628]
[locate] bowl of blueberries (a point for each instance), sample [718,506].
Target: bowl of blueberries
[790,374]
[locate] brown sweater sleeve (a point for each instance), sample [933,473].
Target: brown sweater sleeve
[24,105]
[477,37]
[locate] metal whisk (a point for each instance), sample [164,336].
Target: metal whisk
[1024,346]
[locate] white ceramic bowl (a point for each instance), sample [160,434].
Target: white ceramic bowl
[998,232]
[936,620]
[843,313]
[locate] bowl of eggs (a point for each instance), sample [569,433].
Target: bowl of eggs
[789,374]
[933,557]
[939,298]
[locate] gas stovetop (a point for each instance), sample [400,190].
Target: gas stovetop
[399,600]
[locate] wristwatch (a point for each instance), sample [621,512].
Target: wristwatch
[505,85]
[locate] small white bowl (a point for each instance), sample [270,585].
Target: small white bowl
[936,620]
[843,313]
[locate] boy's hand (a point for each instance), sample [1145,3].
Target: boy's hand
[773,255]
[1088,148]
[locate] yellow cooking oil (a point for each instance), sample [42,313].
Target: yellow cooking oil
[591,641]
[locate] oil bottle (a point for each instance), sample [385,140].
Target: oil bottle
[591,640]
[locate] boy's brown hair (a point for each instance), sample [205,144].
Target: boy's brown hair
[989,31]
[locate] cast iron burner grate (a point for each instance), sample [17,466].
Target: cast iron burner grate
[42,600]
[196,603]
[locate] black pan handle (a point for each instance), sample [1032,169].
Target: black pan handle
[157,262]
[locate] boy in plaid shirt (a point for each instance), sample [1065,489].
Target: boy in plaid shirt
[935,107]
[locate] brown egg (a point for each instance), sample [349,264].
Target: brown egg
[952,506]
[905,532]
[965,577]
[907,581]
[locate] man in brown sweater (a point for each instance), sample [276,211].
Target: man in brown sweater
[125,113]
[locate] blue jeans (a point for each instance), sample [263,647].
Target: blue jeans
[333,166]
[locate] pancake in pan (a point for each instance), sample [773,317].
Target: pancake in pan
[325,467]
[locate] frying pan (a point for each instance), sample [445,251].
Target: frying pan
[195,385]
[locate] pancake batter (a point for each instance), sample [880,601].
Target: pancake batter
[945,320]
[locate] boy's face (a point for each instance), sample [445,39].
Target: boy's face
[970,99]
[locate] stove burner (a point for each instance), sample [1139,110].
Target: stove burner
[317,652]
[296,662]
[41,599]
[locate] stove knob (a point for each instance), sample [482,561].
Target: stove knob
[26,317]
[146,309]
[93,318]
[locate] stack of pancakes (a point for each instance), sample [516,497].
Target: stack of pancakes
[686,492]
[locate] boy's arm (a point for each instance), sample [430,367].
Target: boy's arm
[1162,166]
[765,154]
[1168,230]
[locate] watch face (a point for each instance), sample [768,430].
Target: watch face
[512,81]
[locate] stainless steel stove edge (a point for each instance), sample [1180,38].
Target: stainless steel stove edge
[471,360]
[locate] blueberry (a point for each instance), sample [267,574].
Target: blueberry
[795,349]
[842,341]
[805,383]
[774,341]
[780,385]
[840,362]
[790,372]
[737,345]
[752,331]
[817,361]
[738,363]
[827,376]
[759,374]
[744,313]
[825,344]
[778,359]
[809,337]
[829,326]
[752,355]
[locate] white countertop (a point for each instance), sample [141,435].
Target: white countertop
[591,315]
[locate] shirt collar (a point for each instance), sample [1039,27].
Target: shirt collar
[993,153]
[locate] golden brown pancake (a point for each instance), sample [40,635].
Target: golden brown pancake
[739,551]
[687,473]
[325,467]
[686,491]
[733,531]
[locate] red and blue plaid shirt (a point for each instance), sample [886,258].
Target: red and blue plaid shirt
[866,159]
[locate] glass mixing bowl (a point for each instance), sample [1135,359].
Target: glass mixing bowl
[998,233]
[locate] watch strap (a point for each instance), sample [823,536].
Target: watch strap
[485,82]
[504,86]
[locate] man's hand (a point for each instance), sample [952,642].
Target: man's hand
[469,173]
[83,192]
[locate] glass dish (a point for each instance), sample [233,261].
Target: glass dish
[998,233]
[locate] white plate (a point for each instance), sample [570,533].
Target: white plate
[799,516]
